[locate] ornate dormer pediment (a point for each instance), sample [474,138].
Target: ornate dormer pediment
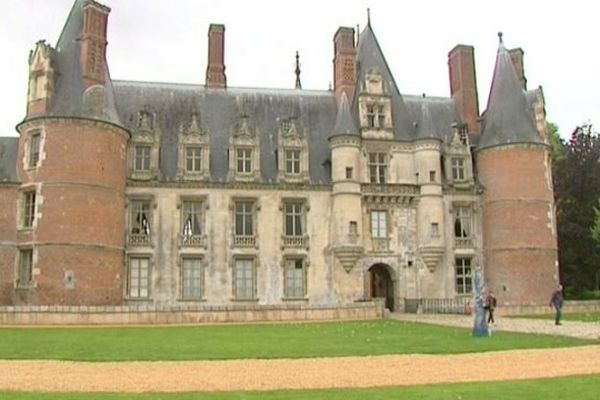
[146,125]
[373,83]
[144,147]
[194,150]
[458,159]
[196,128]
[242,128]
[244,155]
[292,151]
[41,78]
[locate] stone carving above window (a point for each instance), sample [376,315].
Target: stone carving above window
[194,150]
[144,147]
[244,155]
[373,83]
[292,152]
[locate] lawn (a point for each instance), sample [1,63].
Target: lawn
[268,341]
[583,317]
[580,388]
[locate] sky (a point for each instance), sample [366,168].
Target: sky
[166,41]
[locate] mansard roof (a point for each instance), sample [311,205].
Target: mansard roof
[344,123]
[69,95]
[9,147]
[435,116]
[219,110]
[509,117]
[370,57]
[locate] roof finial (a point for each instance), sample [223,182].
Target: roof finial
[297,71]
[368,16]
[500,37]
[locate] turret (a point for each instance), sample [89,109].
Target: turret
[72,168]
[519,227]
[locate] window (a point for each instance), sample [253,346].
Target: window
[191,221]
[139,221]
[34,150]
[139,278]
[431,176]
[375,116]
[293,219]
[192,279]
[28,209]
[462,223]
[380,117]
[294,279]
[244,160]
[458,169]
[371,116]
[244,218]
[25,268]
[243,279]
[435,229]
[463,275]
[353,228]
[142,158]
[292,162]
[193,159]
[377,167]
[349,172]
[378,224]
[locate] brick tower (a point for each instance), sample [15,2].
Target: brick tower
[72,168]
[512,158]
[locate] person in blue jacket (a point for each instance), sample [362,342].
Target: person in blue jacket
[557,301]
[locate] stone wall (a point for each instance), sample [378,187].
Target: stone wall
[186,314]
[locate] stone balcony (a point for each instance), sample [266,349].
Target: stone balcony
[244,241]
[291,241]
[139,240]
[463,243]
[193,241]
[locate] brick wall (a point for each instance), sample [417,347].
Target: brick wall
[8,212]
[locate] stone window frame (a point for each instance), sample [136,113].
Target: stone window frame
[385,213]
[202,262]
[463,272]
[194,135]
[19,266]
[378,165]
[132,239]
[375,106]
[244,136]
[146,134]
[295,240]
[458,169]
[34,150]
[234,278]
[460,241]
[199,240]
[244,240]
[27,211]
[150,260]
[303,259]
[458,149]
[292,138]
[141,160]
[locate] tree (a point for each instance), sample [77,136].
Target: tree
[557,144]
[596,236]
[577,190]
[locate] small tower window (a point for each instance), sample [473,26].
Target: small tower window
[431,176]
[34,150]
[349,172]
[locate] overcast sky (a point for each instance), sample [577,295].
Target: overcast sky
[166,41]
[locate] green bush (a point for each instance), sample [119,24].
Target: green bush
[576,293]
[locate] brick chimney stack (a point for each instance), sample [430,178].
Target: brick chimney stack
[93,43]
[215,72]
[516,55]
[463,84]
[344,63]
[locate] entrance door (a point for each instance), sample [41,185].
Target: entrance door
[382,285]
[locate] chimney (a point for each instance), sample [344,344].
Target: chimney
[344,63]
[93,43]
[463,84]
[215,72]
[516,55]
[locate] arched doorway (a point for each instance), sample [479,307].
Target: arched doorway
[382,285]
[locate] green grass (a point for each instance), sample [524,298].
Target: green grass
[258,341]
[583,317]
[580,388]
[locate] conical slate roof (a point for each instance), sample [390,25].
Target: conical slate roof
[69,97]
[344,123]
[507,118]
[370,57]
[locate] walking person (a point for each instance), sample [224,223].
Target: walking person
[557,301]
[490,306]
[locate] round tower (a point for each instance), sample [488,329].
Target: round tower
[72,168]
[513,164]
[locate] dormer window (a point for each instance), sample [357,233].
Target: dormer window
[292,162]
[292,151]
[458,169]
[144,147]
[194,148]
[142,158]
[375,116]
[244,155]
[193,159]
[244,160]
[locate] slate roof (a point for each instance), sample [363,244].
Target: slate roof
[344,122]
[369,56]
[9,147]
[219,110]
[509,117]
[69,97]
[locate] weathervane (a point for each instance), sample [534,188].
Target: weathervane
[297,71]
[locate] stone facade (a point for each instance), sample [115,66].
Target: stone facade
[161,195]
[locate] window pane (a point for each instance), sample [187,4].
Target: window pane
[192,278]
[244,279]
[34,150]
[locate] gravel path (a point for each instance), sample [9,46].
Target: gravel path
[583,330]
[349,372]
